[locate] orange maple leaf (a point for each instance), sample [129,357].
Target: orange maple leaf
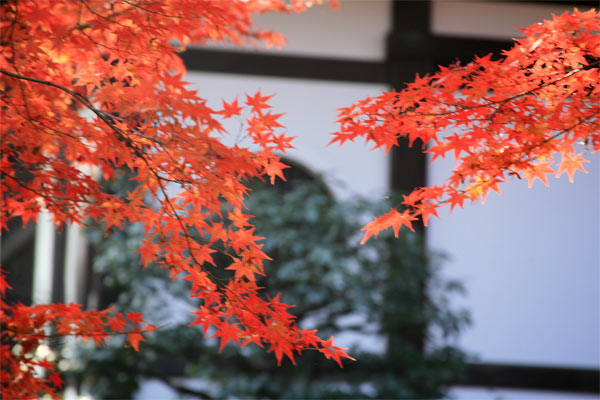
[134,338]
[538,171]
[570,164]
[231,109]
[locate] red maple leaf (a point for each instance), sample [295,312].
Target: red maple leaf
[56,380]
[258,102]
[134,338]
[134,317]
[231,109]
[227,332]
[334,352]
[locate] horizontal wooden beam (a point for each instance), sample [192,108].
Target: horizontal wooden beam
[532,378]
[439,50]
[287,66]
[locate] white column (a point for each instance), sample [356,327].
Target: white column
[43,261]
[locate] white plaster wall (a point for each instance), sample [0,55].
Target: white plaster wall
[311,110]
[530,261]
[489,19]
[477,393]
[356,30]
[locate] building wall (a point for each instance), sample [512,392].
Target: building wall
[499,20]
[530,259]
[310,109]
[530,262]
[355,31]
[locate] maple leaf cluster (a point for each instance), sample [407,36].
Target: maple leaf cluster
[93,87]
[26,328]
[524,115]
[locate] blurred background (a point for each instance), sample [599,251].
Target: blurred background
[493,301]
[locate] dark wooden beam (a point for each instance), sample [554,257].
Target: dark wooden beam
[286,66]
[17,246]
[58,278]
[486,376]
[533,378]
[446,50]
[409,51]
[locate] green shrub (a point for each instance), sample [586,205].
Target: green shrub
[384,298]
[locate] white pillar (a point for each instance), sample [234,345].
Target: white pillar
[43,261]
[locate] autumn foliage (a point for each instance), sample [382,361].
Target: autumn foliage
[24,328]
[91,88]
[531,113]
